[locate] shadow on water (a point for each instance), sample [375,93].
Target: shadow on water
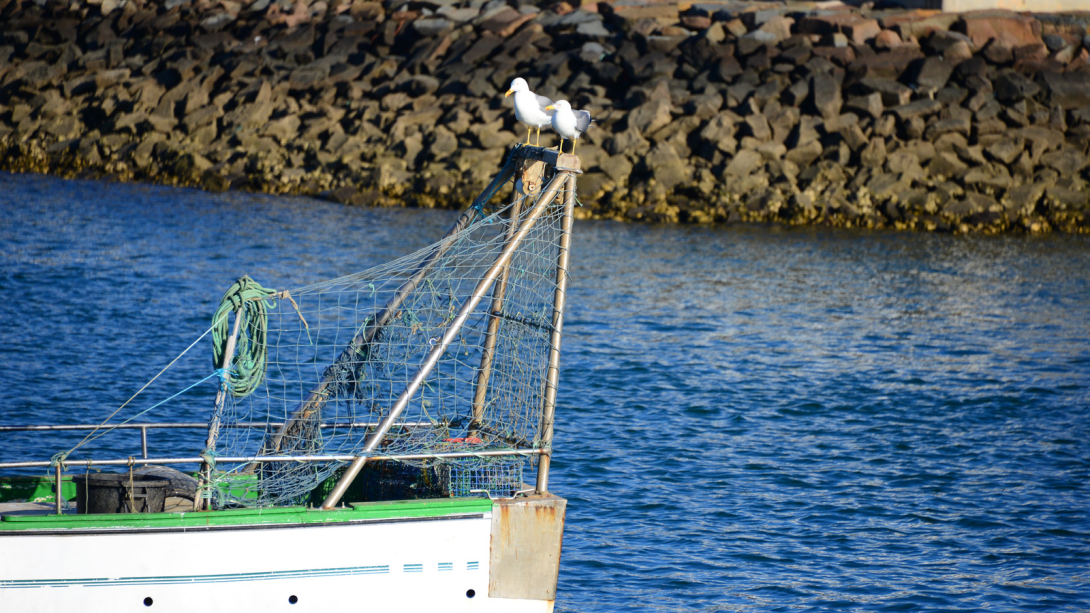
[751,418]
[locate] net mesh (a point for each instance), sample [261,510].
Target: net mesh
[341,353]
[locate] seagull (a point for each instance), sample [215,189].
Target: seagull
[569,124]
[530,108]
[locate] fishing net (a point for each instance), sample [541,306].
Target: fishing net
[339,354]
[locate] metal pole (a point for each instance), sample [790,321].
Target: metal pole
[221,395]
[552,378]
[144,441]
[498,292]
[282,458]
[440,348]
[58,495]
[186,425]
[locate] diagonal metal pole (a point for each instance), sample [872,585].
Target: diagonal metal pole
[440,348]
[221,399]
[552,377]
[317,396]
[487,353]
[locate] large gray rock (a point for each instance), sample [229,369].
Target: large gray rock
[825,95]
[874,155]
[1012,87]
[870,104]
[1006,149]
[893,93]
[919,108]
[961,125]
[1068,90]
[933,73]
[650,116]
[744,163]
[1066,161]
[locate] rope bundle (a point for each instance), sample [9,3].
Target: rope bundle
[247,298]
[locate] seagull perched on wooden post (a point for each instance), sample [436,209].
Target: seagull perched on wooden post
[530,108]
[569,124]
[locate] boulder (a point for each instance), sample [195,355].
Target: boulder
[933,73]
[744,163]
[1066,161]
[1006,149]
[1011,87]
[1007,27]
[892,92]
[919,108]
[1068,90]
[858,29]
[874,155]
[869,105]
[825,95]
[960,125]
[650,116]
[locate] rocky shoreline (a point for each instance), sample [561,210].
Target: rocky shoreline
[707,112]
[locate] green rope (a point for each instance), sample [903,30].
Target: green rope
[248,365]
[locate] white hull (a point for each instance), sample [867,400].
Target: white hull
[399,565]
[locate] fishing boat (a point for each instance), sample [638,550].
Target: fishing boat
[379,441]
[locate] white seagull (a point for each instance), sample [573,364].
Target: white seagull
[569,124]
[530,108]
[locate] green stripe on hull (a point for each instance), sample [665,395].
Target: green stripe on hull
[401,509]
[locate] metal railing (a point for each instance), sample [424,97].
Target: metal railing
[144,459]
[58,468]
[180,425]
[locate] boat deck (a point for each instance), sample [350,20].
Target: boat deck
[16,509]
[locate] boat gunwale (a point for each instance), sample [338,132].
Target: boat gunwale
[244,519]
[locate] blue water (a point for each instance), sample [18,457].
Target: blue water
[750,418]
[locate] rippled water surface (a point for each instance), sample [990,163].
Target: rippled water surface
[750,418]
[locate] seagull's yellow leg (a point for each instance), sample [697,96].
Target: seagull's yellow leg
[573,144]
[537,143]
[528,128]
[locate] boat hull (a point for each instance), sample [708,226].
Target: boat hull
[396,563]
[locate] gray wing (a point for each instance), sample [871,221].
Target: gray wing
[582,121]
[543,102]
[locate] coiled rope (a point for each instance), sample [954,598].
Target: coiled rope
[247,298]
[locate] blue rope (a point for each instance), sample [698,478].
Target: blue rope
[61,457]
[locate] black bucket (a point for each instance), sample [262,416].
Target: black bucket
[110,493]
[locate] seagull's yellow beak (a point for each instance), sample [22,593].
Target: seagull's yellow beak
[550,108]
[509,92]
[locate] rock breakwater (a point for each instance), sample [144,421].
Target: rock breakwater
[728,111]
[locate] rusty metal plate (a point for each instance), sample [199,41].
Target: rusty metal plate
[527,534]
